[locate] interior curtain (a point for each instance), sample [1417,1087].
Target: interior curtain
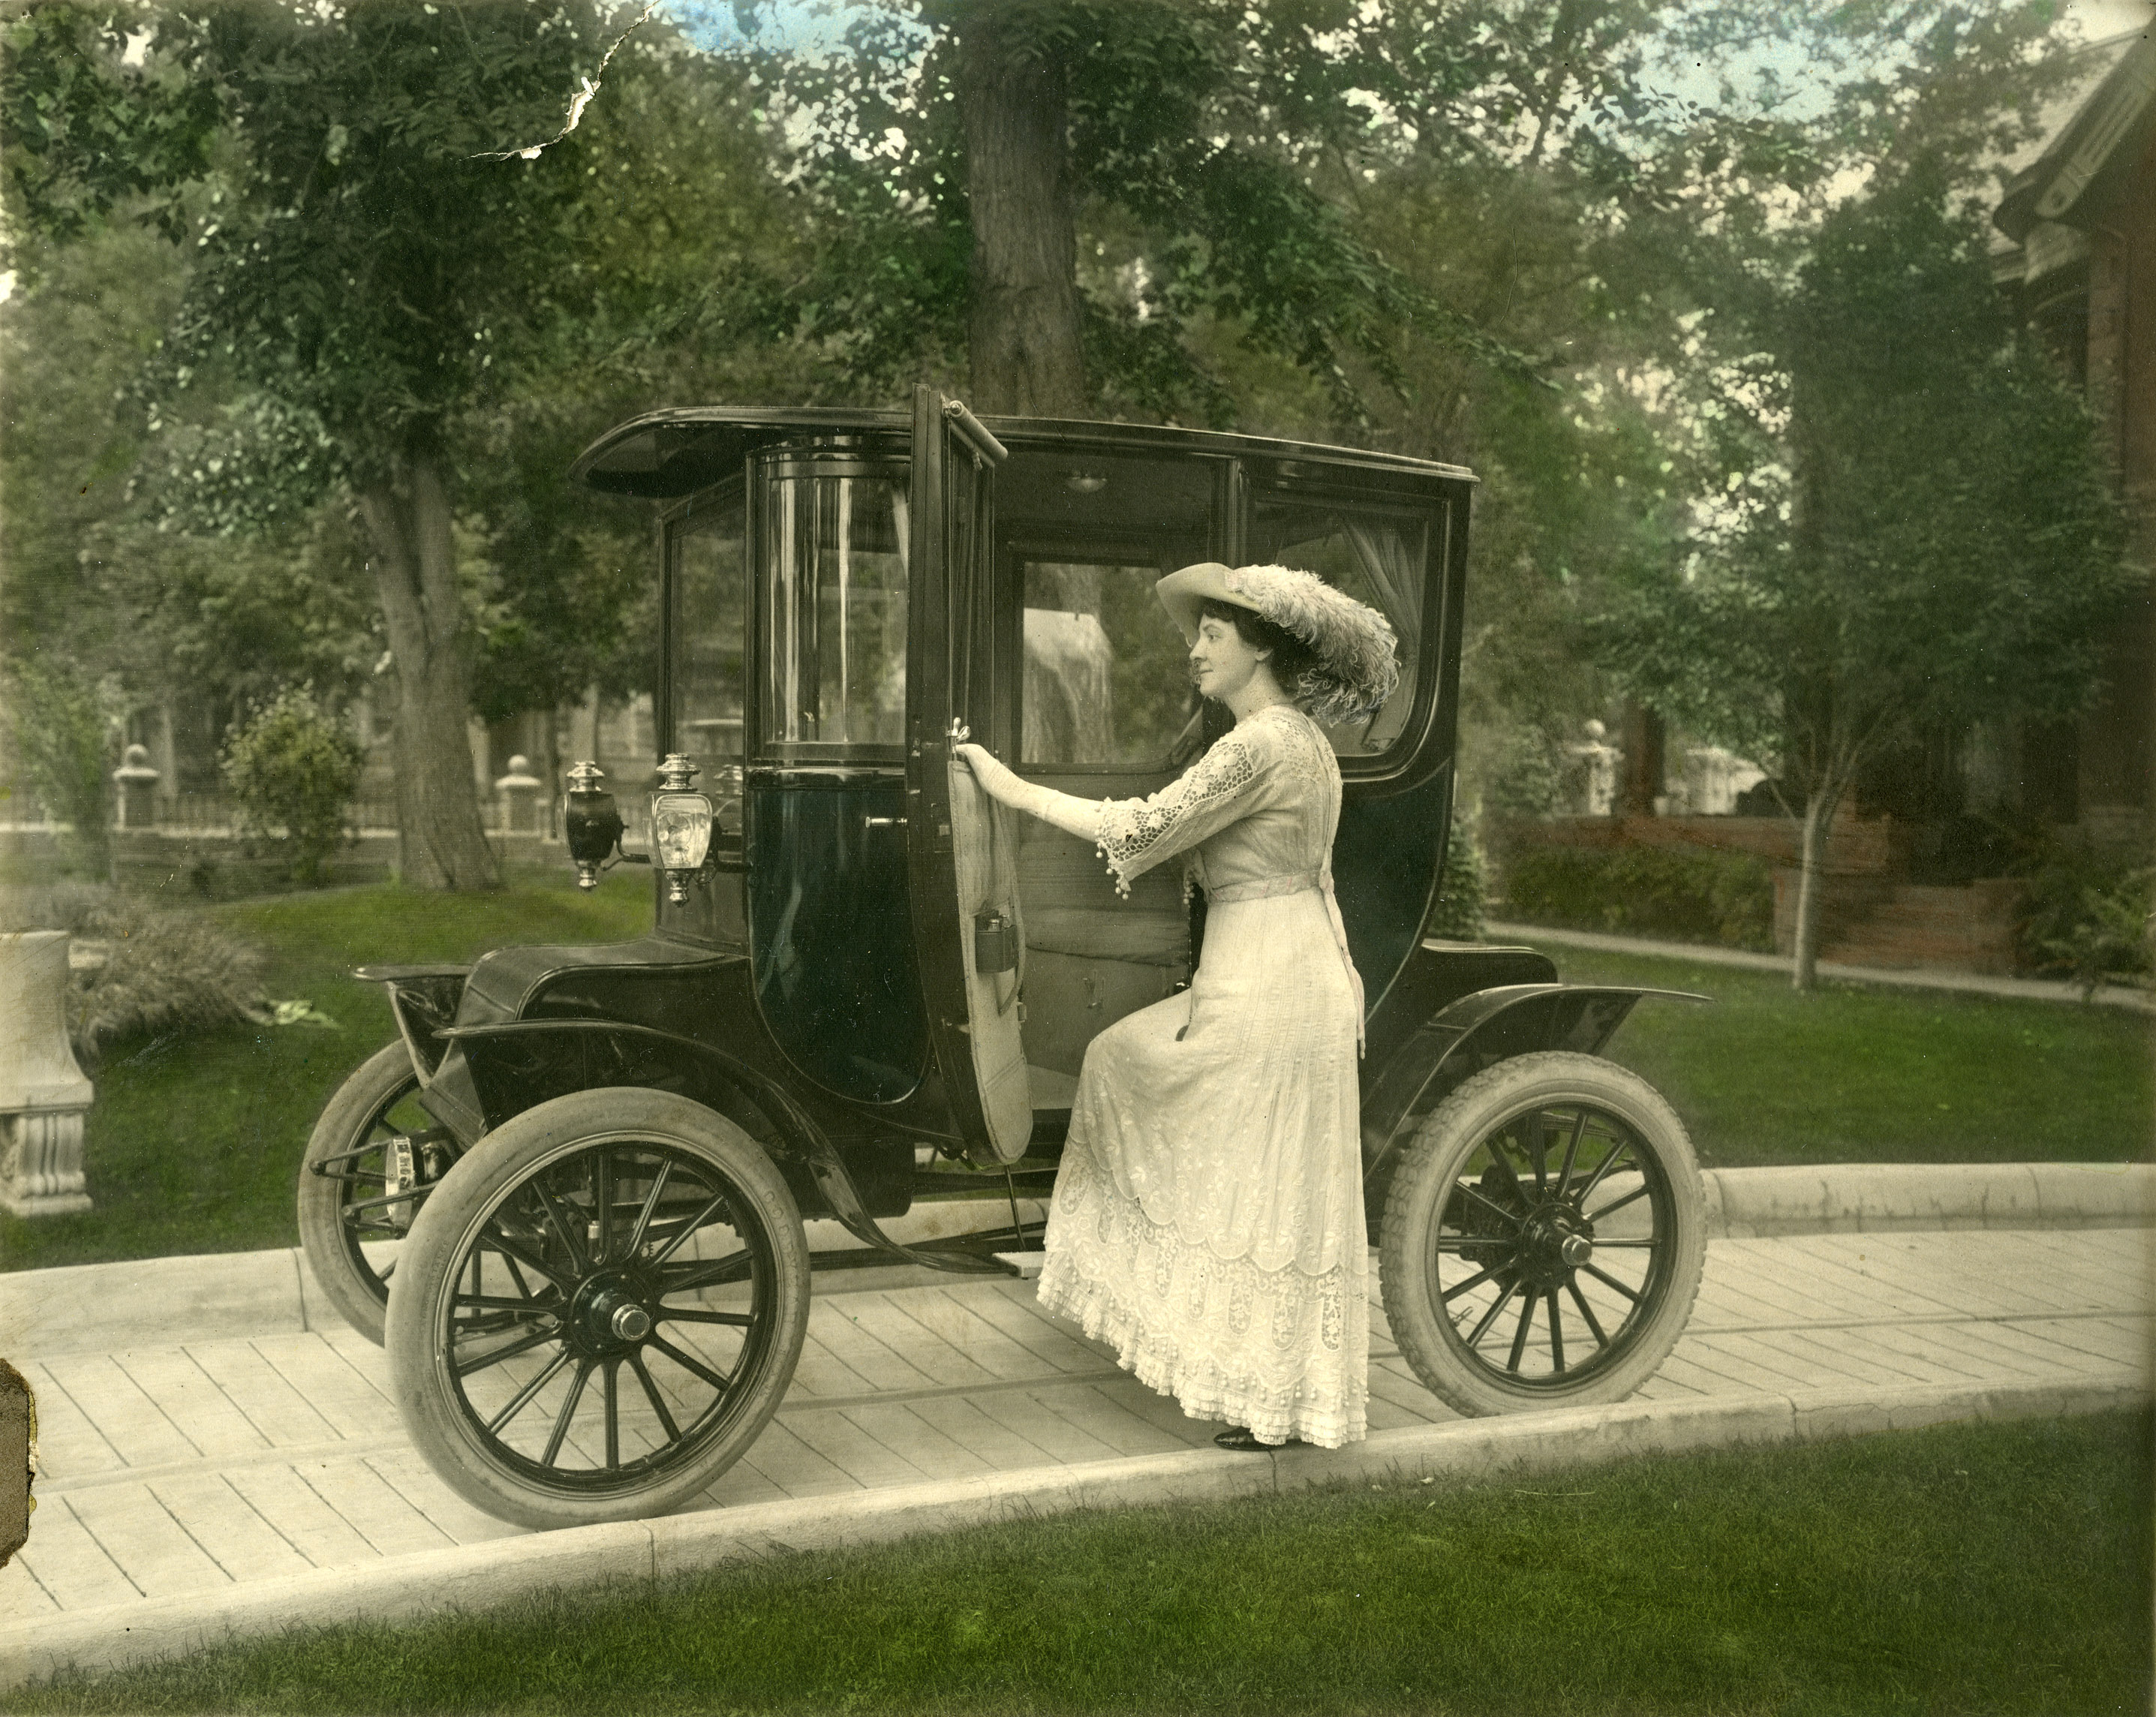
[1384,560]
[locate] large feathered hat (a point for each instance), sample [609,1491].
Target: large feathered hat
[1358,665]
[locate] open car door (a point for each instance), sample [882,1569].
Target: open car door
[962,847]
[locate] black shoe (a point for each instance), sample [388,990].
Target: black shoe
[1248,1443]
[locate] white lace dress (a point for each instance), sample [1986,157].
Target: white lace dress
[1208,1216]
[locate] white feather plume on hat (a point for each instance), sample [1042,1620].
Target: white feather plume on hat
[1358,666]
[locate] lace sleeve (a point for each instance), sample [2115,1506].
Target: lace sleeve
[1134,834]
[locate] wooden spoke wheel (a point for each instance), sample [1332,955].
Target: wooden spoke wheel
[352,1224]
[1544,1238]
[599,1309]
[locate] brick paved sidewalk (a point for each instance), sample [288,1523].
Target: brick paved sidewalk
[200,1467]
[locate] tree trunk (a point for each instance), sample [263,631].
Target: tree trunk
[1027,352]
[1645,743]
[550,772]
[441,843]
[1819,820]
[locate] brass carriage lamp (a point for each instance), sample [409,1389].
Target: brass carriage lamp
[680,825]
[590,821]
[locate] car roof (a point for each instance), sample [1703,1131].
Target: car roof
[665,455]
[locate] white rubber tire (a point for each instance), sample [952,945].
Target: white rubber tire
[453,1217]
[1432,1165]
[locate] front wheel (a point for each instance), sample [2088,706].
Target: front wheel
[599,1307]
[1544,1238]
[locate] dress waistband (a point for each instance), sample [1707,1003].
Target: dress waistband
[1265,887]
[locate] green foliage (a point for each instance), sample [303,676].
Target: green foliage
[1922,532]
[1526,780]
[152,974]
[63,727]
[2090,915]
[1462,884]
[1198,137]
[1693,897]
[292,769]
[73,149]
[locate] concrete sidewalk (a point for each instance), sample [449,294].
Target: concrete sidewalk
[194,1485]
[2113,996]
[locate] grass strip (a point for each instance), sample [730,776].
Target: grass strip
[1863,1073]
[1997,1568]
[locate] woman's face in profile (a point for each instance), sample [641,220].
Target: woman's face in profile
[1220,662]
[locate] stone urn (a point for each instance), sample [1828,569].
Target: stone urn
[43,1095]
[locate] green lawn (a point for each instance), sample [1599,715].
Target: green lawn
[1980,1568]
[193,1144]
[1852,1073]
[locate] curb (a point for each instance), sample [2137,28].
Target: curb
[1885,1198]
[474,1576]
[215,1296]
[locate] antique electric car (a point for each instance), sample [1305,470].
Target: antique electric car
[571,1196]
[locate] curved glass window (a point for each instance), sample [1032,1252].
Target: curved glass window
[833,553]
[707,679]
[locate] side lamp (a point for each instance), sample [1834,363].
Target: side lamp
[590,821]
[680,826]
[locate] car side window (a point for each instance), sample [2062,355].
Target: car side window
[1106,680]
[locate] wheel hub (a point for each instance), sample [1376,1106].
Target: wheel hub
[1553,1243]
[609,1314]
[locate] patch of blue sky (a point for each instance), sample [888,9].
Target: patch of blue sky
[812,29]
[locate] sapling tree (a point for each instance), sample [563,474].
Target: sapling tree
[62,723]
[1918,531]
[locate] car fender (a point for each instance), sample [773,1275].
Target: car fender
[1477,1031]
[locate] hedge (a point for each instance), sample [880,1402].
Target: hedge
[1724,897]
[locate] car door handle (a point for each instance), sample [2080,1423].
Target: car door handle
[883,822]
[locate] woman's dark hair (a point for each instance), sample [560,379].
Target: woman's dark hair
[1291,658]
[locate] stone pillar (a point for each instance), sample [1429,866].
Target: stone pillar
[1596,784]
[137,783]
[43,1093]
[519,794]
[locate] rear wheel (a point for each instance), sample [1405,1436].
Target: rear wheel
[352,1228]
[1544,1238]
[599,1309]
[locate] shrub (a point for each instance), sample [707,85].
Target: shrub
[2091,916]
[292,769]
[1529,781]
[1462,885]
[63,731]
[162,972]
[1694,897]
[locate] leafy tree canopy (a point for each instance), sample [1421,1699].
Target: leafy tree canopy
[1918,529]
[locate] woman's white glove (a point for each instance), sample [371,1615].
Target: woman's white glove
[998,782]
[1074,816]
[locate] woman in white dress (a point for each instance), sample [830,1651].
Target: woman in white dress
[1208,1216]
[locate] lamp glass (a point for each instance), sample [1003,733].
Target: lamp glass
[681,830]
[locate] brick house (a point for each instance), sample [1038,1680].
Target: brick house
[2078,222]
